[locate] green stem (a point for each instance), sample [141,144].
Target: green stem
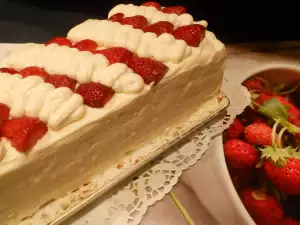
[274,135]
[279,142]
[181,209]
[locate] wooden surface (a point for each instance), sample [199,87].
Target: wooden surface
[198,189]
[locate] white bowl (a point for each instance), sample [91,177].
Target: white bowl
[286,73]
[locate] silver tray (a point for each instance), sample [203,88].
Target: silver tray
[206,112]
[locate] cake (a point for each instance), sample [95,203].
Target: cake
[72,105]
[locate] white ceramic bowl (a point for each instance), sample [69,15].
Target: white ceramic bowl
[283,73]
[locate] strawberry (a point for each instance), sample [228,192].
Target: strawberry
[62,81]
[150,70]
[116,17]
[293,111]
[153,4]
[253,84]
[159,28]
[174,9]
[191,34]
[62,41]
[8,70]
[258,134]
[137,22]
[34,71]
[264,208]
[23,132]
[235,130]
[116,54]
[240,154]
[286,177]
[95,95]
[86,45]
[251,116]
[4,113]
[290,221]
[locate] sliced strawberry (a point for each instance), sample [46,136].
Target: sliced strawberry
[95,95]
[159,28]
[153,4]
[191,34]
[116,17]
[138,22]
[8,70]
[23,132]
[116,54]
[86,45]
[62,81]
[174,9]
[62,41]
[34,71]
[4,113]
[150,70]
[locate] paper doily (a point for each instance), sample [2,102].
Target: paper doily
[130,203]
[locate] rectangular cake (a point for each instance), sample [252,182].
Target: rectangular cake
[70,107]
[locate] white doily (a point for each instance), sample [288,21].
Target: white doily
[128,205]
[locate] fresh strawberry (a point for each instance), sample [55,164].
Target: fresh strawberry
[290,221]
[264,208]
[150,70]
[8,70]
[252,116]
[191,34]
[153,4]
[23,132]
[34,71]
[116,54]
[95,95]
[86,45]
[116,17]
[62,81]
[159,28]
[293,111]
[258,134]
[240,154]
[236,129]
[286,177]
[137,22]
[62,41]
[253,84]
[4,113]
[174,9]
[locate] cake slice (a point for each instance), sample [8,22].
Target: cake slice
[70,107]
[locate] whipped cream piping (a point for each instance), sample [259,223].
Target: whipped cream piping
[79,65]
[33,97]
[152,14]
[164,48]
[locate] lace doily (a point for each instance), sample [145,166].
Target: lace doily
[128,205]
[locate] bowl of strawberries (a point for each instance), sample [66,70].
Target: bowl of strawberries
[262,149]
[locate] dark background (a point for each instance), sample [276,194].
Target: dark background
[232,21]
